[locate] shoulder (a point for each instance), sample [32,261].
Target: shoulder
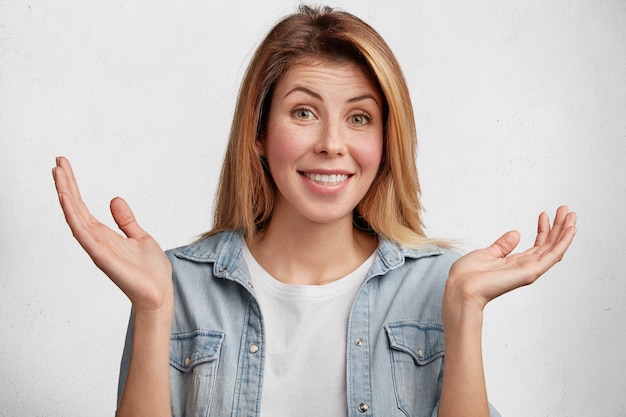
[207,250]
[395,254]
[406,268]
[410,282]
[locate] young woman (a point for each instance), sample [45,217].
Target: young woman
[316,293]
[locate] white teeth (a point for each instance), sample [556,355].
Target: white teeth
[326,179]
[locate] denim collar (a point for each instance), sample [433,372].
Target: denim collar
[224,250]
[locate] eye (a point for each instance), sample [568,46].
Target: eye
[360,119]
[302,113]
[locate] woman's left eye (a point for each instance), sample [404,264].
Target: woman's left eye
[360,119]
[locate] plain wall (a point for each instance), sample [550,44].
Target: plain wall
[520,107]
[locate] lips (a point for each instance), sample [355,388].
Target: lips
[326,179]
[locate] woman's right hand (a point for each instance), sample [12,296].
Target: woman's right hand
[135,263]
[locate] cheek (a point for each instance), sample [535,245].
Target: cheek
[281,146]
[370,154]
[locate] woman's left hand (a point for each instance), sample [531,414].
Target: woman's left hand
[482,275]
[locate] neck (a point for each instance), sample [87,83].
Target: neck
[311,254]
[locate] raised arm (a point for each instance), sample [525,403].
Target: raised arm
[474,280]
[138,266]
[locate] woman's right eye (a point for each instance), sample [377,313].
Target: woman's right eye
[303,114]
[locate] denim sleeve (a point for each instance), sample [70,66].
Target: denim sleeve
[128,347]
[492,411]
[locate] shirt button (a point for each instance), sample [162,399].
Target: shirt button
[358,342]
[420,353]
[253,348]
[187,361]
[363,408]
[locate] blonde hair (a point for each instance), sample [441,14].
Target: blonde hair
[245,198]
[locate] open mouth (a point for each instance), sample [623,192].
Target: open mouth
[326,179]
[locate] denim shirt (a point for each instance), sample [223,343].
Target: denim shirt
[395,334]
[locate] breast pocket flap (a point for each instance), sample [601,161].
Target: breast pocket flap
[188,350]
[423,342]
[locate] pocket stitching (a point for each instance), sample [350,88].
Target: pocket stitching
[431,351]
[188,344]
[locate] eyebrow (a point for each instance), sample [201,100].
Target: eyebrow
[319,97]
[304,90]
[363,97]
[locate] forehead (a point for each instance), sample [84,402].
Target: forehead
[332,74]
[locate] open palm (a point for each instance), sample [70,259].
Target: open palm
[482,275]
[135,263]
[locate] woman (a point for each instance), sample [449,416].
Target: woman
[316,292]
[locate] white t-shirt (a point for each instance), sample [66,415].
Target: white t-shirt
[306,330]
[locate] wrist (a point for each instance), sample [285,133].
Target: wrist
[156,315]
[155,301]
[460,311]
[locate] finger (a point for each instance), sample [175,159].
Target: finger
[74,208]
[85,228]
[570,220]
[551,257]
[557,226]
[562,222]
[564,240]
[67,181]
[60,178]
[543,229]
[125,219]
[65,198]
[504,245]
[82,228]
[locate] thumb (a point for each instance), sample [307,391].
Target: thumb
[125,219]
[505,244]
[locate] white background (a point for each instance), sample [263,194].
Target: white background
[520,107]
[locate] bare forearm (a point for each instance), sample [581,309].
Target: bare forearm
[147,388]
[463,392]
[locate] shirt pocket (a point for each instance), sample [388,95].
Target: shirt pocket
[194,360]
[417,351]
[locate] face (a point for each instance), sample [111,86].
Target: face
[323,141]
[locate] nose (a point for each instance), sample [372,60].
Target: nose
[331,140]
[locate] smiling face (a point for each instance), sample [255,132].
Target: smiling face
[323,141]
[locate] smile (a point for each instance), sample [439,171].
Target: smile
[326,179]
